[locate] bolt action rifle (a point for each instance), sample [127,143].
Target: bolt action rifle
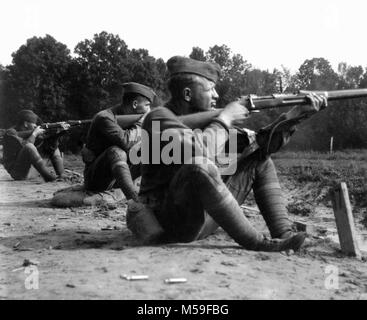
[255,104]
[288,100]
[258,103]
[287,121]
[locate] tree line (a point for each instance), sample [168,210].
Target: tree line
[44,76]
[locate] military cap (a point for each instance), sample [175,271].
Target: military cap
[209,70]
[27,115]
[133,87]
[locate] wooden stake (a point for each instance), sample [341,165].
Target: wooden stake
[344,221]
[331,144]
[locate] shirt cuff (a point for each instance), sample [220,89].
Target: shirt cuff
[222,123]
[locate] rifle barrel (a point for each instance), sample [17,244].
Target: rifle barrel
[78,122]
[344,94]
[72,123]
[288,100]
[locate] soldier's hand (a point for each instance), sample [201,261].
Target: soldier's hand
[65,126]
[38,131]
[317,102]
[234,113]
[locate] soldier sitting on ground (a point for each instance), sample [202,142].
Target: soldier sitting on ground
[107,147]
[186,201]
[24,145]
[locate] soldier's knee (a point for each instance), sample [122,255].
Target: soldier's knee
[203,165]
[266,166]
[57,153]
[115,154]
[30,148]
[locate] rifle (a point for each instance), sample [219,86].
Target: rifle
[254,104]
[289,100]
[59,128]
[55,129]
[61,124]
[202,119]
[198,120]
[288,120]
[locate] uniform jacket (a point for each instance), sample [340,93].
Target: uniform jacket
[105,132]
[206,143]
[13,143]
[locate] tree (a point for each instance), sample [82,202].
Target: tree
[363,82]
[317,74]
[103,64]
[344,120]
[2,72]
[221,55]
[3,77]
[349,76]
[146,70]
[197,54]
[36,79]
[162,93]
[287,81]
[232,83]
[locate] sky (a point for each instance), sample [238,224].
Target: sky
[266,33]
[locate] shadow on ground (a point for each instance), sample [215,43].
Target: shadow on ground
[71,239]
[45,203]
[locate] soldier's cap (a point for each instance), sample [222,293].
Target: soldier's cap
[27,115]
[178,64]
[134,87]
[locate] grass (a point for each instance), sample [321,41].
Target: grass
[315,170]
[351,154]
[325,170]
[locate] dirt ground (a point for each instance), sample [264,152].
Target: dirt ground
[82,253]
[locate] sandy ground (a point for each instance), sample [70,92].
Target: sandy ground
[82,253]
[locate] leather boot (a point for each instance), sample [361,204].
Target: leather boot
[276,245]
[125,182]
[142,222]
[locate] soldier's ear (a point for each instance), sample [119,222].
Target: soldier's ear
[187,94]
[135,104]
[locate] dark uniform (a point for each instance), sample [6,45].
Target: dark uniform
[20,151]
[107,148]
[108,144]
[176,195]
[190,200]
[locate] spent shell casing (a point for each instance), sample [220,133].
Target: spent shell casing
[135,277]
[175,280]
